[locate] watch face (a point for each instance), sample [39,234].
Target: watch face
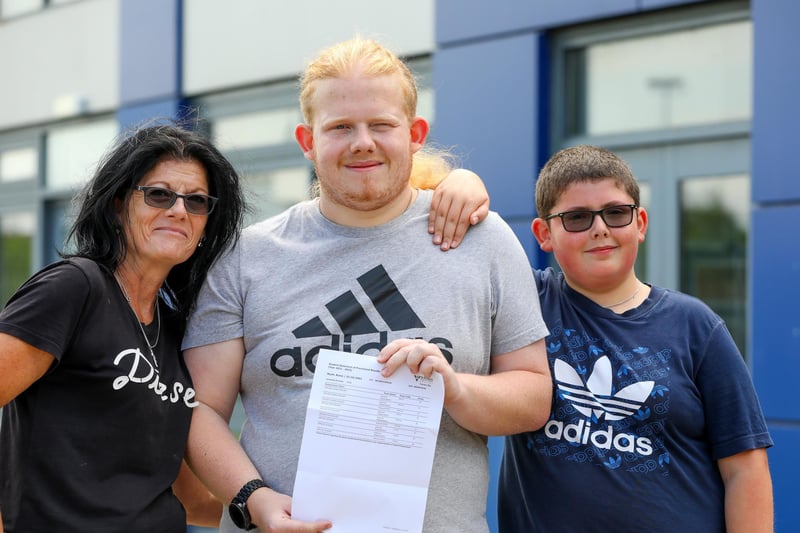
[239,515]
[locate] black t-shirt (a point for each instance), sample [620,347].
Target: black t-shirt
[95,444]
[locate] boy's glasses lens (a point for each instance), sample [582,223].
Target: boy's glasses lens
[616,216]
[197,204]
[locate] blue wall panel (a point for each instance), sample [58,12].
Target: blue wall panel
[522,229]
[486,106]
[776,106]
[490,105]
[483,17]
[784,459]
[136,115]
[776,319]
[150,50]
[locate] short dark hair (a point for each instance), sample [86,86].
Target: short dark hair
[579,164]
[97,230]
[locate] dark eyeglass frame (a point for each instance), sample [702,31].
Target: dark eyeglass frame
[189,200]
[602,212]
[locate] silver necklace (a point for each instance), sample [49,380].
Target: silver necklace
[150,345]
[626,300]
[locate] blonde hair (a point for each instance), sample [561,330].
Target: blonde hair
[367,56]
[356,55]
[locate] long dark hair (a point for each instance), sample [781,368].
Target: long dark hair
[97,231]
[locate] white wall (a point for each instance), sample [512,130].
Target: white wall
[63,55]
[248,41]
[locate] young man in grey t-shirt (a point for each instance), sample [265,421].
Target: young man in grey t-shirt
[352,270]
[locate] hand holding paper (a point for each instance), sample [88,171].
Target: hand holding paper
[368,445]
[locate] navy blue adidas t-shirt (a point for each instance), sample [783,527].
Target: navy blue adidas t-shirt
[644,403]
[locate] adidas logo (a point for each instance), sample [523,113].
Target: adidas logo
[594,399]
[347,319]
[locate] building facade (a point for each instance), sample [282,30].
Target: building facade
[698,96]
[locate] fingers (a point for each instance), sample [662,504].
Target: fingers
[420,357]
[274,514]
[449,220]
[460,201]
[480,213]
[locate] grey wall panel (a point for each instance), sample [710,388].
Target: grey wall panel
[59,62]
[239,42]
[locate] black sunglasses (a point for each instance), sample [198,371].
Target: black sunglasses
[196,204]
[616,216]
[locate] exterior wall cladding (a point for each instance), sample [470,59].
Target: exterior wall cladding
[513,30]
[481,31]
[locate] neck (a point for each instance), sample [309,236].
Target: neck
[627,301]
[140,292]
[366,218]
[626,296]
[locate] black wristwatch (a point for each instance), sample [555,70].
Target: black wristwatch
[238,507]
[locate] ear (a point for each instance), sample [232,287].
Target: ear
[419,132]
[541,230]
[305,138]
[641,223]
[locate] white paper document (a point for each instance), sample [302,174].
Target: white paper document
[368,446]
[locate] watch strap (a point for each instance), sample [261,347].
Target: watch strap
[248,489]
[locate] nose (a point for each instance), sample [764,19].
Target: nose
[362,140]
[178,208]
[599,226]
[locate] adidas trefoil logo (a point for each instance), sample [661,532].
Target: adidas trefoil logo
[594,398]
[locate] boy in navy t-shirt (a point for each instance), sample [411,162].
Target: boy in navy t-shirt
[655,424]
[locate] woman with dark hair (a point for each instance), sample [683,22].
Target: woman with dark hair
[97,397]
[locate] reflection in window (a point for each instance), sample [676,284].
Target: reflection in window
[272,191]
[74,151]
[13,8]
[714,233]
[18,164]
[58,216]
[261,128]
[641,258]
[16,244]
[683,78]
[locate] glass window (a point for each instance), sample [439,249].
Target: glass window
[13,8]
[251,130]
[272,191]
[58,216]
[425,101]
[689,77]
[73,151]
[641,257]
[16,249]
[18,164]
[715,217]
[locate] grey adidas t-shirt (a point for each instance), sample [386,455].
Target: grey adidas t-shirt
[297,283]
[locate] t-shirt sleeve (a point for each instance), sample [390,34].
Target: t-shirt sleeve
[517,315]
[735,422]
[46,310]
[218,314]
